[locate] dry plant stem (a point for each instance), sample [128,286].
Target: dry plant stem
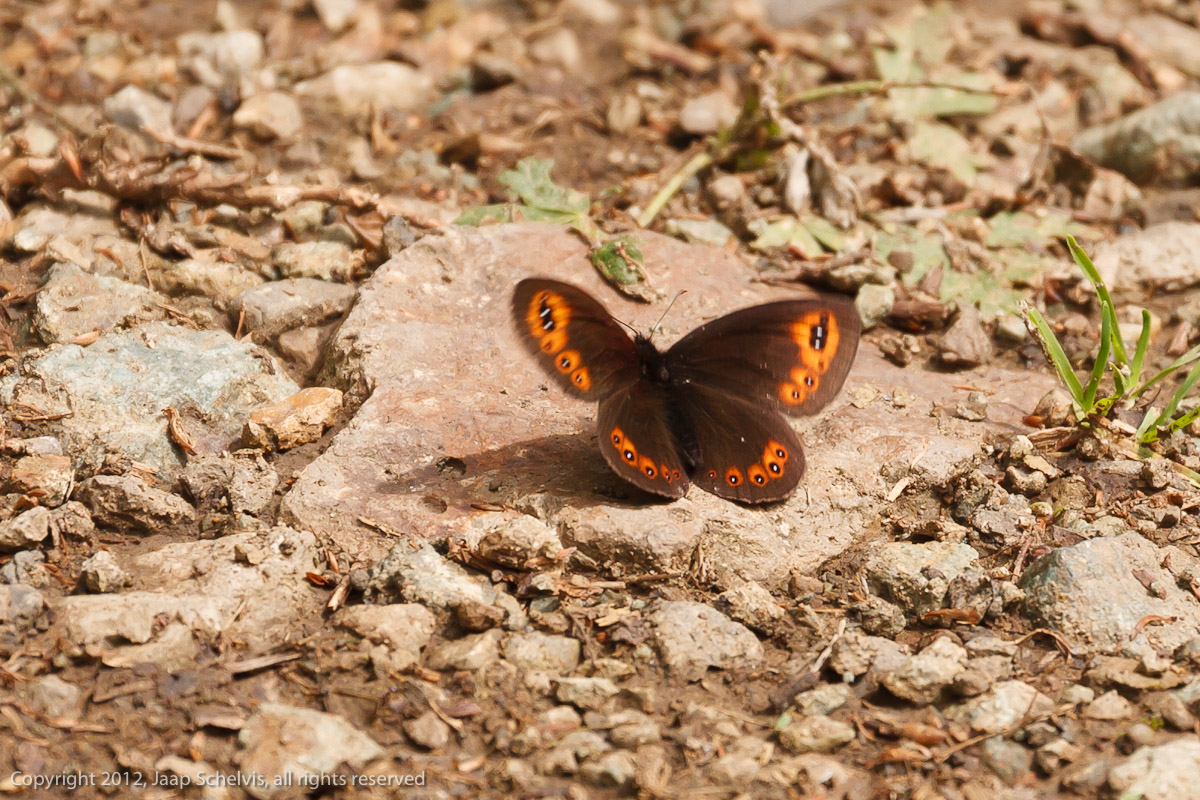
[881,87]
[694,164]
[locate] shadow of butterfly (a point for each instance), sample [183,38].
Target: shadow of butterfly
[710,410]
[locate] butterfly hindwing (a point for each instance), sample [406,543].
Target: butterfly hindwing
[575,340]
[634,431]
[793,355]
[743,452]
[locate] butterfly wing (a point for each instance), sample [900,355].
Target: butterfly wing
[743,452]
[793,355]
[635,434]
[575,339]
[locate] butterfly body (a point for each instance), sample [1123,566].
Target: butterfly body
[709,410]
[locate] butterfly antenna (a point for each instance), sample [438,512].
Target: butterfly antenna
[656,327]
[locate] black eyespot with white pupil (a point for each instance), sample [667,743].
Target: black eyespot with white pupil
[734,480]
[760,480]
[820,334]
[774,468]
[546,316]
[808,381]
[629,455]
[780,453]
[650,472]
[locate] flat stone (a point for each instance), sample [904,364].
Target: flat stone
[917,576]
[513,540]
[922,677]
[1004,706]
[1168,771]
[113,393]
[558,655]
[305,744]
[231,53]
[270,115]
[428,731]
[56,698]
[326,261]
[586,693]
[293,421]
[28,529]
[125,501]
[693,637]
[409,364]
[20,604]
[268,310]
[101,573]
[402,628]
[50,478]
[201,584]
[355,90]
[470,653]
[816,734]
[136,108]
[74,303]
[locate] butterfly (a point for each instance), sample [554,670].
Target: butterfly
[710,410]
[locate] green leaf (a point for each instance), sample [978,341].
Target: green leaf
[615,267]
[1058,358]
[937,144]
[1188,382]
[1183,360]
[1107,308]
[1089,392]
[1147,432]
[531,183]
[480,215]
[1139,353]
[790,232]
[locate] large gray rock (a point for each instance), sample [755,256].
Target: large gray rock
[111,394]
[448,417]
[1090,594]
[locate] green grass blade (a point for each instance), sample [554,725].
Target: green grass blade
[1186,419]
[1106,303]
[1139,355]
[1089,391]
[1057,357]
[1146,432]
[1183,360]
[1188,382]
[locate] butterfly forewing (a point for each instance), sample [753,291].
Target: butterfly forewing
[635,434]
[575,340]
[793,355]
[744,452]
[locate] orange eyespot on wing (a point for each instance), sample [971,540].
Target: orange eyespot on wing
[566,361]
[624,446]
[552,342]
[774,459]
[757,475]
[648,468]
[547,312]
[816,332]
[733,476]
[582,379]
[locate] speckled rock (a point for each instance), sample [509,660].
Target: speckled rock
[693,637]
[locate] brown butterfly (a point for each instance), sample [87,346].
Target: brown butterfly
[710,409]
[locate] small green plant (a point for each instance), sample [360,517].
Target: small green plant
[540,199]
[1113,360]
